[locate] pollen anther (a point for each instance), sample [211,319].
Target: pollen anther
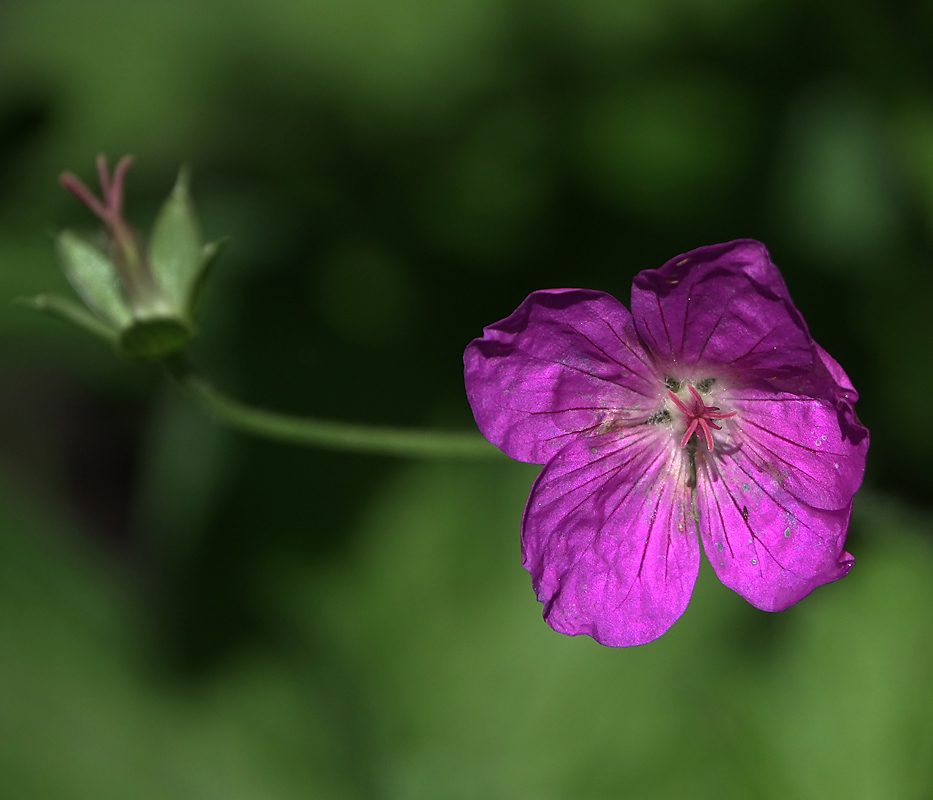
[699,416]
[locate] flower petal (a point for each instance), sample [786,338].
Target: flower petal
[609,538]
[845,396]
[765,544]
[800,442]
[723,306]
[567,360]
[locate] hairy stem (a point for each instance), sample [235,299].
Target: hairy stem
[329,434]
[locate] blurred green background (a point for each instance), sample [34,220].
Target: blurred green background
[188,613]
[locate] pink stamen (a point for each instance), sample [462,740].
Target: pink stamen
[700,417]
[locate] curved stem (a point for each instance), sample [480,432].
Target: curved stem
[326,433]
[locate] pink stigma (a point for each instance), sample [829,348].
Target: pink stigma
[701,417]
[111,210]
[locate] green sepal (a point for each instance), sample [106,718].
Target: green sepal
[94,277]
[154,338]
[209,254]
[152,315]
[175,251]
[67,310]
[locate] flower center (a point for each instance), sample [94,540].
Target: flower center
[699,417]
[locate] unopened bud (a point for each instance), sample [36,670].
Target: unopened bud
[145,304]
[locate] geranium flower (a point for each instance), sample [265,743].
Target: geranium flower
[707,414]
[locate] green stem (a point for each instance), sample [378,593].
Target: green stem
[326,433]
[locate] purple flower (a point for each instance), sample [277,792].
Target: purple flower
[707,410]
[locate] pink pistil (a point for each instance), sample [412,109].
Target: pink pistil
[110,211]
[127,259]
[700,417]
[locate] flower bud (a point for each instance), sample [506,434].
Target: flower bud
[145,304]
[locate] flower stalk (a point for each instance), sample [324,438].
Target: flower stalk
[328,434]
[146,305]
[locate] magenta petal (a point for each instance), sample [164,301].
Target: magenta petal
[609,538]
[845,396]
[763,543]
[567,360]
[708,409]
[798,441]
[722,308]
[844,387]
